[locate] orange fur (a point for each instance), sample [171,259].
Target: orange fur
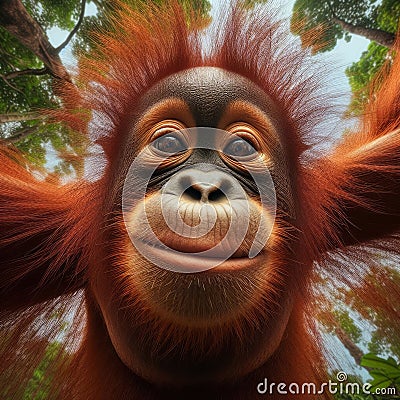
[346,203]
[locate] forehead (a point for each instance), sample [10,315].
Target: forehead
[207,91]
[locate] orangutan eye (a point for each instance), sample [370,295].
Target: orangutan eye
[239,148]
[169,144]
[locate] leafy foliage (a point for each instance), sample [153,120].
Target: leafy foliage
[22,93]
[316,22]
[51,13]
[385,372]
[25,92]
[360,74]
[39,385]
[318,16]
[363,71]
[347,324]
[386,335]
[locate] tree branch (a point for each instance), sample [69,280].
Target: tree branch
[352,348]
[17,117]
[17,21]
[13,87]
[73,32]
[23,133]
[379,36]
[29,71]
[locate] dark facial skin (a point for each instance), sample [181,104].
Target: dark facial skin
[208,91]
[191,331]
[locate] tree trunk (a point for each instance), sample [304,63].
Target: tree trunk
[18,22]
[377,35]
[353,349]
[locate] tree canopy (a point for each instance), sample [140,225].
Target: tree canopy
[320,24]
[338,19]
[31,68]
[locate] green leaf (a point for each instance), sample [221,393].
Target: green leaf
[375,362]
